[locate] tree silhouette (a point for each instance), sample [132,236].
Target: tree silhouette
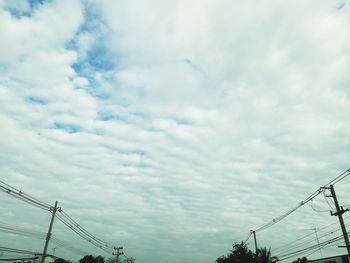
[61,260]
[92,259]
[112,260]
[300,260]
[264,256]
[241,254]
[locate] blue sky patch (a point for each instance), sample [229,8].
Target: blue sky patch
[104,116]
[100,59]
[25,8]
[341,6]
[37,100]
[181,121]
[70,128]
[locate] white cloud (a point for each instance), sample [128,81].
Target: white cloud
[210,118]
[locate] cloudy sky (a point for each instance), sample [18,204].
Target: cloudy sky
[172,128]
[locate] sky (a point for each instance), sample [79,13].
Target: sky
[173,128]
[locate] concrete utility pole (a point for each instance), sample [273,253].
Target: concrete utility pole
[118,253]
[255,242]
[48,236]
[339,213]
[256,245]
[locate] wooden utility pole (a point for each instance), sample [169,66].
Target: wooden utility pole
[48,236]
[339,213]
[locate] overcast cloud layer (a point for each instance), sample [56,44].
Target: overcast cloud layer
[172,127]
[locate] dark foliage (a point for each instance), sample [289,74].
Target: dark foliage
[92,259]
[241,254]
[61,260]
[300,260]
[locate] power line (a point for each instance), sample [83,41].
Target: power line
[338,178]
[66,245]
[302,203]
[22,196]
[18,251]
[308,241]
[281,217]
[248,237]
[39,235]
[63,216]
[19,259]
[83,230]
[34,255]
[305,250]
[288,245]
[81,234]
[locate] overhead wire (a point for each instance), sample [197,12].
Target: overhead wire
[68,246]
[19,259]
[22,233]
[22,196]
[318,211]
[338,178]
[83,230]
[308,241]
[305,201]
[325,198]
[34,255]
[248,237]
[323,247]
[40,235]
[281,217]
[18,251]
[296,243]
[305,250]
[61,215]
[82,235]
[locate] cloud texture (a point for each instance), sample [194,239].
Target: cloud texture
[173,127]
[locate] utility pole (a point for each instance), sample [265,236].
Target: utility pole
[256,245]
[48,236]
[53,251]
[117,254]
[318,241]
[339,213]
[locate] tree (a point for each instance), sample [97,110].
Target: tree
[61,260]
[99,259]
[92,259]
[112,260]
[300,260]
[87,259]
[264,256]
[241,254]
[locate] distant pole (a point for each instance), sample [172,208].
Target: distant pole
[339,213]
[48,236]
[318,242]
[256,246]
[255,242]
[118,253]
